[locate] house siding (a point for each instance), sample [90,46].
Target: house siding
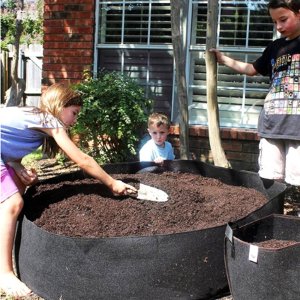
[68,51]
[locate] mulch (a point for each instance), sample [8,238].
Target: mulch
[86,208]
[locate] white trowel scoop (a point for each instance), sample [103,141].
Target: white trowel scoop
[146,192]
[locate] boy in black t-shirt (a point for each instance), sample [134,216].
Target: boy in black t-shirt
[279,121]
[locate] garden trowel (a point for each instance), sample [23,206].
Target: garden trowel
[146,192]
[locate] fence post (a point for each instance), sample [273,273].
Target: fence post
[4,74]
[29,69]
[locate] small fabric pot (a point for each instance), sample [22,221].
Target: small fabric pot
[256,271]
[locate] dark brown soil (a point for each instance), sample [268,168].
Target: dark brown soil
[86,208]
[276,244]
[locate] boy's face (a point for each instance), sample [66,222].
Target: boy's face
[286,21]
[158,133]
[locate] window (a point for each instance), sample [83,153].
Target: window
[134,37]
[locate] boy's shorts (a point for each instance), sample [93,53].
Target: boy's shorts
[8,186]
[279,160]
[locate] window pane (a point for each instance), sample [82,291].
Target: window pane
[199,23]
[140,24]
[261,28]
[152,69]
[245,25]
[110,23]
[241,24]
[240,97]
[161,24]
[136,23]
[233,25]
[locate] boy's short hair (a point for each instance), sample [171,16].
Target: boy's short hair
[159,119]
[293,5]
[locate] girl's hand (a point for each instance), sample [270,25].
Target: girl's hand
[121,188]
[28,177]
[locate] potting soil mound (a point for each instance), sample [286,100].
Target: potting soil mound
[276,244]
[86,208]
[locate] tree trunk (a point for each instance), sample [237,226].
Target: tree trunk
[211,84]
[14,95]
[179,10]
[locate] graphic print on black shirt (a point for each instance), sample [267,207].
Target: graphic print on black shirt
[284,94]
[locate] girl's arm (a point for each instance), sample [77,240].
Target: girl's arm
[86,162]
[238,66]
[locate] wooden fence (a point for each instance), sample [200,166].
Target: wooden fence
[29,69]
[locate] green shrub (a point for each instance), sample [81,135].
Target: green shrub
[113,117]
[34,156]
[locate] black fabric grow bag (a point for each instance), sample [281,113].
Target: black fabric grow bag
[174,266]
[272,273]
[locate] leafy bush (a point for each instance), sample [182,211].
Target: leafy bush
[113,117]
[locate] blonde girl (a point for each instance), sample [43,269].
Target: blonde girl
[23,130]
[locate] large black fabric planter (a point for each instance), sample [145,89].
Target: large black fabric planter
[186,265]
[272,273]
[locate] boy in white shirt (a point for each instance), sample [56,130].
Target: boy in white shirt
[157,149]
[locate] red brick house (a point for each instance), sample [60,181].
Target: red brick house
[135,37]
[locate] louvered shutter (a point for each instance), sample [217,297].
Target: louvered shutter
[244,31]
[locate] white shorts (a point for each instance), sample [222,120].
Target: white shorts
[280,160]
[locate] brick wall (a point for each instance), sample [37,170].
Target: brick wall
[68,40]
[240,146]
